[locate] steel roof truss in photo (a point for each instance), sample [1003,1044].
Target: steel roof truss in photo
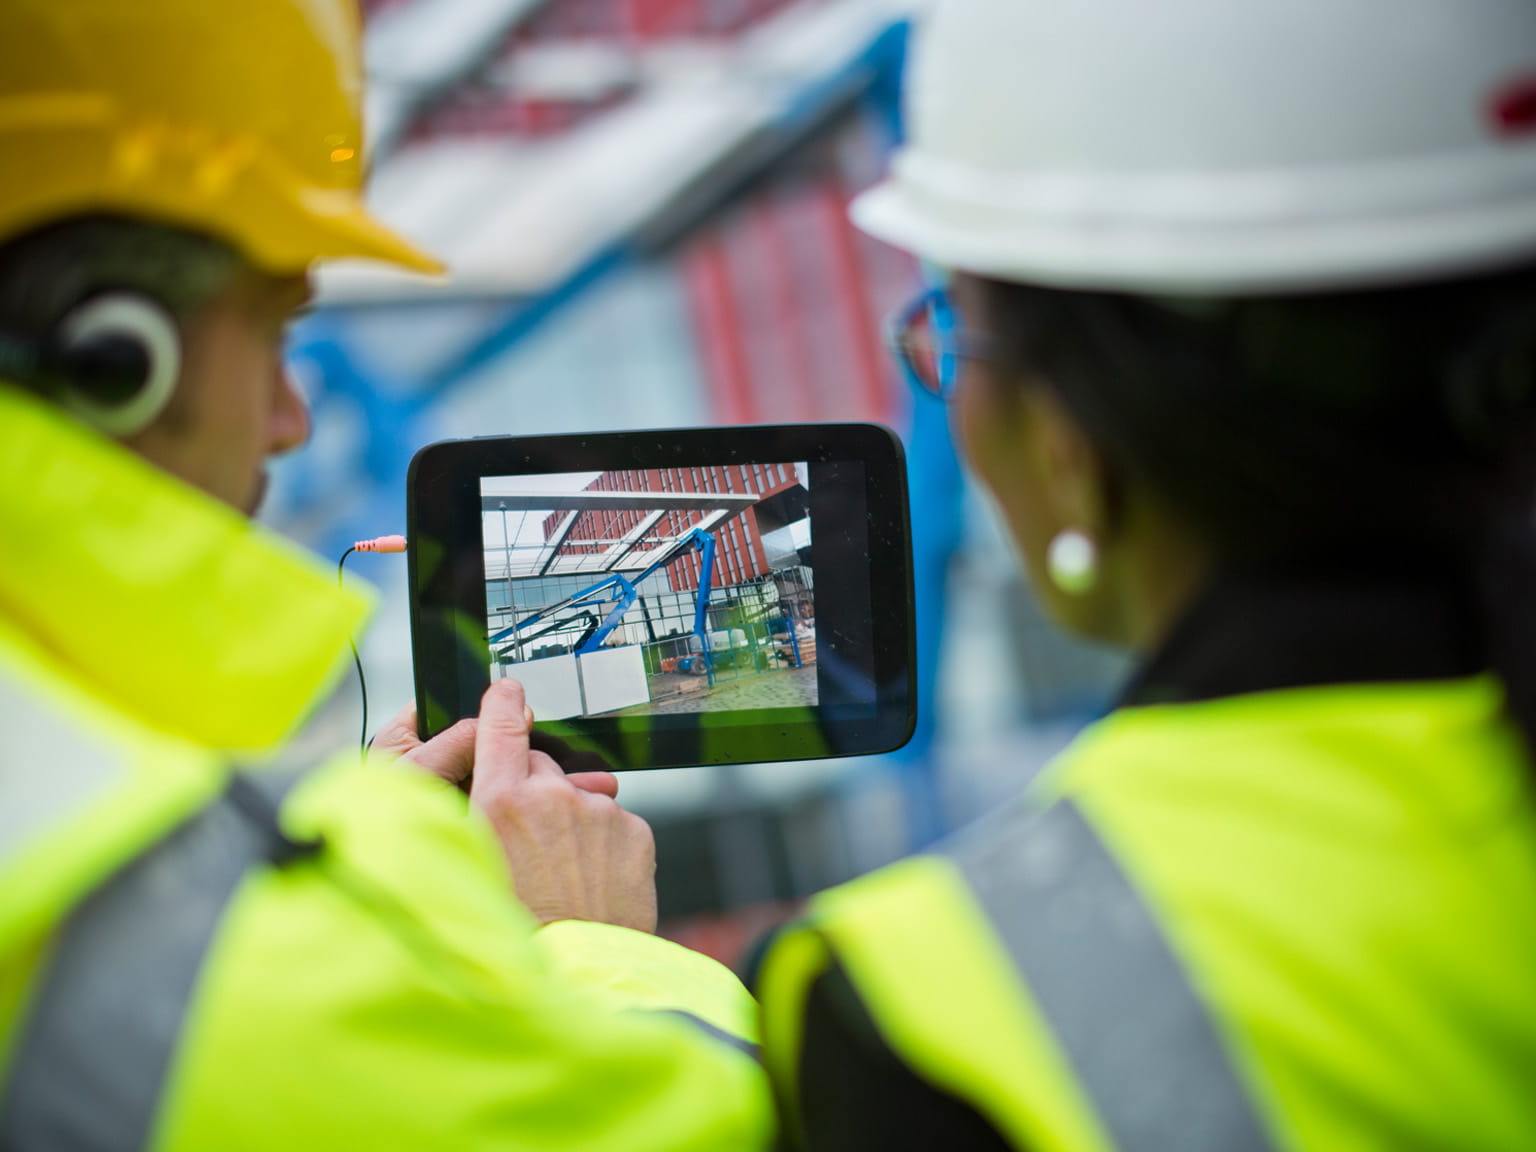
[624,554]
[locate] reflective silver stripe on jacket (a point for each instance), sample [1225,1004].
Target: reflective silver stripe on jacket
[90,1062]
[713,1031]
[49,768]
[1143,1045]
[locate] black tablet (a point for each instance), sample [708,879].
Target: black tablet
[670,598]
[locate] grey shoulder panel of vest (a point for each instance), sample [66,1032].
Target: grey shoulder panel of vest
[50,768]
[89,1065]
[1142,1043]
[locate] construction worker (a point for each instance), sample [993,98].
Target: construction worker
[1238,303]
[202,946]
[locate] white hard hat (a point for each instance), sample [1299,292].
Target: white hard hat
[1217,147]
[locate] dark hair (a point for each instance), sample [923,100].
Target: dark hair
[1332,429]
[45,272]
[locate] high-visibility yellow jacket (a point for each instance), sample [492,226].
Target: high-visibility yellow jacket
[198,957]
[1293,917]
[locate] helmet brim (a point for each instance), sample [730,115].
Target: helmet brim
[1141,254]
[258,205]
[352,232]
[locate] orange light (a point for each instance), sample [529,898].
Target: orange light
[340,154]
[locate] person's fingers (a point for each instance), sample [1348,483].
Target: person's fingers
[571,760]
[398,736]
[600,783]
[450,755]
[502,747]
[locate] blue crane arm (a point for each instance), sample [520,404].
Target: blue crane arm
[611,621]
[706,544]
[698,538]
[560,606]
[629,591]
[588,618]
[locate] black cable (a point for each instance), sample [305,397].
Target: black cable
[362,681]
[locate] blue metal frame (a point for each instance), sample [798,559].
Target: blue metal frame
[392,414]
[629,591]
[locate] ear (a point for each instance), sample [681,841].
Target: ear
[1076,483]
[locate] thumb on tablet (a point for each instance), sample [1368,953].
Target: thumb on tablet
[502,736]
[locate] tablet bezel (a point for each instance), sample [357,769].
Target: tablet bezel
[869,708]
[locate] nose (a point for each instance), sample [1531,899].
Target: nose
[290,416]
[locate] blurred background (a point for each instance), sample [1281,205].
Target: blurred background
[644,207]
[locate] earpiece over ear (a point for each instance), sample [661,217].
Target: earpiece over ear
[114,359]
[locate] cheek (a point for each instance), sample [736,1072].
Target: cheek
[231,401]
[970,419]
[227,413]
[992,429]
[988,427]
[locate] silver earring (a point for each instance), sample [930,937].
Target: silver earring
[1073,562]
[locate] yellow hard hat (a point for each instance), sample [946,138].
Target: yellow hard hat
[239,118]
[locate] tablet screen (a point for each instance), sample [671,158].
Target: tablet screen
[657,591]
[672,597]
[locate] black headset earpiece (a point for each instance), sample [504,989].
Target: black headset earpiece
[113,360]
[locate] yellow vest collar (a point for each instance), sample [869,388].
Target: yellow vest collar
[169,605]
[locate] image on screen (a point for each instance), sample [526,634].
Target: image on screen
[655,591]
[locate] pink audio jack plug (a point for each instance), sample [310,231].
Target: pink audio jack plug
[381,544]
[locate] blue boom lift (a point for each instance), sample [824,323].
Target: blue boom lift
[623,592]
